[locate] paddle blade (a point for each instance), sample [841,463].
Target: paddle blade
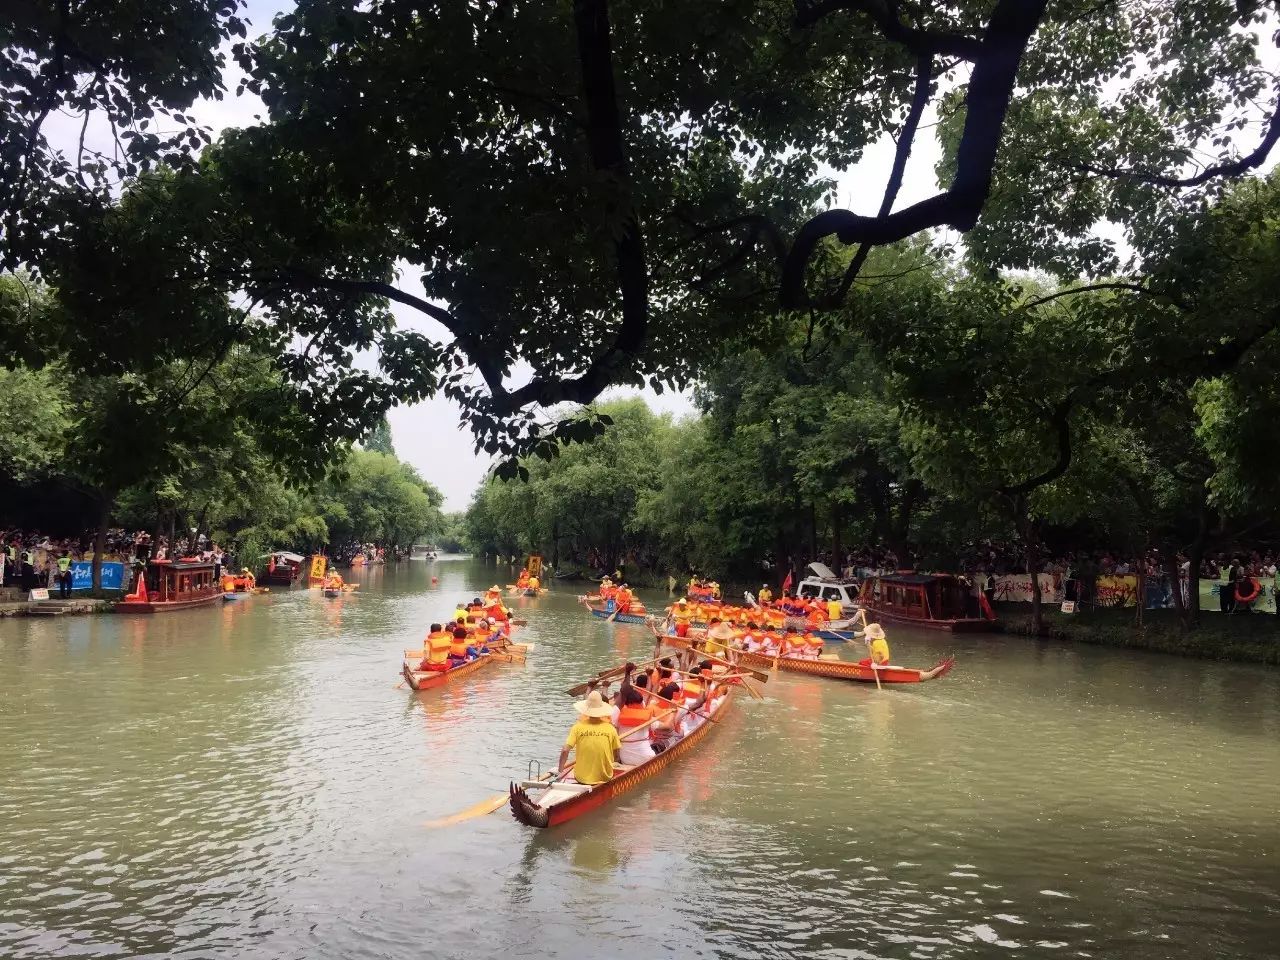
[483,808]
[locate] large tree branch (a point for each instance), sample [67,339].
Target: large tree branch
[1060,420]
[991,86]
[1088,288]
[919,100]
[1230,168]
[884,14]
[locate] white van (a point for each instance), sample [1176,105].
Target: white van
[825,585]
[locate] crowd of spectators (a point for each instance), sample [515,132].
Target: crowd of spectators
[31,558]
[991,558]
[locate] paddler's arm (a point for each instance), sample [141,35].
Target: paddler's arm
[563,763]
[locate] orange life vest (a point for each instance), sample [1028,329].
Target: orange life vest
[634,716]
[438,644]
[691,690]
[458,646]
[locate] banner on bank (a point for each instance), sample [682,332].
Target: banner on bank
[82,575]
[1212,592]
[1121,590]
[1016,588]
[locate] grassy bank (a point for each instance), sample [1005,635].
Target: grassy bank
[1245,638]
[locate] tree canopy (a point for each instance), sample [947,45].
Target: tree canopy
[596,194]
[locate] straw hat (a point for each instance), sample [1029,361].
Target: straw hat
[874,632]
[593,706]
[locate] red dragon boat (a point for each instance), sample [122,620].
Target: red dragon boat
[561,802]
[430,679]
[834,669]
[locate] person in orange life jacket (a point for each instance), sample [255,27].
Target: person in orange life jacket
[436,649]
[666,733]
[460,651]
[633,713]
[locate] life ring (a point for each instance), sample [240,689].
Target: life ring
[1248,598]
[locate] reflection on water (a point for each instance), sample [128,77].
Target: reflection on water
[247,781]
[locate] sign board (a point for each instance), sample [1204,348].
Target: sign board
[1068,606]
[82,575]
[41,594]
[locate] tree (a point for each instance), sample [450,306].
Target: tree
[373,497]
[379,441]
[120,66]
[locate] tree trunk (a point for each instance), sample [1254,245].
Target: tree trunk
[813,532]
[1031,553]
[100,539]
[837,548]
[1180,604]
[1140,601]
[1195,557]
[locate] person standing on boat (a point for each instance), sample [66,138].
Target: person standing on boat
[594,741]
[877,646]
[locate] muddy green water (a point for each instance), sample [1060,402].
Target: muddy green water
[245,781]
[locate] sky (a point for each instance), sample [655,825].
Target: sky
[429,435]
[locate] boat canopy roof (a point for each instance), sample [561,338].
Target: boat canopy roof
[284,555]
[821,571]
[916,579]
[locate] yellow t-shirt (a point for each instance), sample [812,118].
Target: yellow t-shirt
[880,651]
[834,610]
[593,743]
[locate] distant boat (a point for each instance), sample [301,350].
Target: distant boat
[283,568]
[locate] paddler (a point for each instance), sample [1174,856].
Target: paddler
[460,649]
[835,609]
[634,713]
[719,635]
[522,581]
[682,615]
[436,648]
[623,598]
[877,646]
[594,741]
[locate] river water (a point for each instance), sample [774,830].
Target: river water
[246,781]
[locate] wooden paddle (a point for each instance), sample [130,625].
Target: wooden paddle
[710,716]
[601,677]
[756,674]
[483,808]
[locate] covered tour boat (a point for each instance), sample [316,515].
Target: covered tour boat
[283,568]
[559,801]
[172,585]
[934,601]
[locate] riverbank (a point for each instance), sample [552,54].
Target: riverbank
[1244,638]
